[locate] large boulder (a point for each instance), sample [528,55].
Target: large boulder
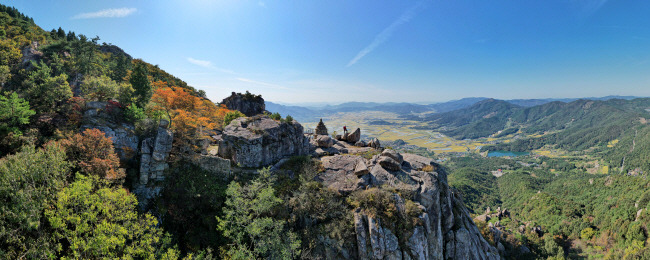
[246,103]
[389,163]
[394,155]
[261,141]
[417,162]
[323,141]
[361,169]
[353,137]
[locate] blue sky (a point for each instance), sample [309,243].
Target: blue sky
[343,50]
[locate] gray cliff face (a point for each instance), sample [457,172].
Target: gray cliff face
[443,230]
[247,103]
[261,141]
[154,153]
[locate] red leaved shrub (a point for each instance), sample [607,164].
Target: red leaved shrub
[93,154]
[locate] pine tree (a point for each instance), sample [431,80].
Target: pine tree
[141,85]
[71,36]
[60,33]
[14,111]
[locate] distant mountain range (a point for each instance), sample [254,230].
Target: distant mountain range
[311,114]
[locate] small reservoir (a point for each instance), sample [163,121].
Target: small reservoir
[506,153]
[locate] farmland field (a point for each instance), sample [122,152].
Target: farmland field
[394,128]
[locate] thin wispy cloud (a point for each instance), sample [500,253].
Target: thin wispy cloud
[202,63]
[261,83]
[209,65]
[384,35]
[107,13]
[591,6]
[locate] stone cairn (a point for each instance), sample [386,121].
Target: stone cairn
[320,128]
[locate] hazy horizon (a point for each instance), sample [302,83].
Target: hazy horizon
[322,104]
[368,51]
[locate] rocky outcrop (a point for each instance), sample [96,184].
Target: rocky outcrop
[31,53]
[246,103]
[261,141]
[340,173]
[442,229]
[123,135]
[320,128]
[374,143]
[489,214]
[154,153]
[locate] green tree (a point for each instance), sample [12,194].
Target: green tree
[121,68]
[91,222]
[276,116]
[100,88]
[232,115]
[60,33]
[71,36]
[86,61]
[9,53]
[5,74]
[248,222]
[125,93]
[133,113]
[45,92]
[14,111]
[29,182]
[141,85]
[57,64]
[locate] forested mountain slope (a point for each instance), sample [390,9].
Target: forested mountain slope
[103,156]
[556,208]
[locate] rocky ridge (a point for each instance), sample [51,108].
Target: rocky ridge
[444,228]
[440,226]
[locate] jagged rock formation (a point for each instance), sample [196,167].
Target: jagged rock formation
[325,145]
[154,154]
[246,103]
[442,228]
[320,128]
[260,141]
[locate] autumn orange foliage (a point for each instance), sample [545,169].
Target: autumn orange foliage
[94,154]
[188,114]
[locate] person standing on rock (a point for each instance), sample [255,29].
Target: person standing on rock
[345,130]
